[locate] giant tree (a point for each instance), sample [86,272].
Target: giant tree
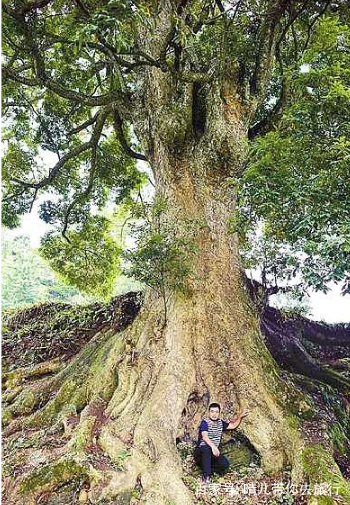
[185,86]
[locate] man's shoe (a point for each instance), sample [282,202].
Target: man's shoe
[206,479]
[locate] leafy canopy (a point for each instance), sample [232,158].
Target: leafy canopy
[90,257]
[75,75]
[297,182]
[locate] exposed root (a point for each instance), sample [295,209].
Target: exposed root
[26,400]
[18,376]
[50,476]
[90,375]
[284,340]
[320,467]
[9,396]
[117,408]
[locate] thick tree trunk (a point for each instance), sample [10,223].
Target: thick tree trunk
[195,141]
[135,392]
[132,394]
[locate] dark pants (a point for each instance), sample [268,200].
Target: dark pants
[205,458]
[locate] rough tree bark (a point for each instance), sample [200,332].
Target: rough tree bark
[140,389]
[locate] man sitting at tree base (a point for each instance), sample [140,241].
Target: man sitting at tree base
[206,453]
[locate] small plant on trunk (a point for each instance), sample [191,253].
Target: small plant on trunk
[162,258]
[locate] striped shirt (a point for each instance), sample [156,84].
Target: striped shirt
[214,429]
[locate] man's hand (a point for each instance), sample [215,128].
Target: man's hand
[244,413]
[215,451]
[237,420]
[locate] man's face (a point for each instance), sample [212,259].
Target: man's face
[214,413]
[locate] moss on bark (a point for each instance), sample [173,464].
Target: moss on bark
[320,467]
[51,475]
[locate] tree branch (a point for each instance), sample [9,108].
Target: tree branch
[102,116]
[220,6]
[267,42]
[9,73]
[85,193]
[118,127]
[266,124]
[82,7]
[84,125]
[290,23]
[110,51]
[311,25]
[54,85]
[25,9]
